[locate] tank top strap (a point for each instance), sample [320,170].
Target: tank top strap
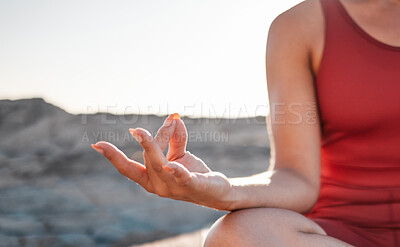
[341,30]
[337,28]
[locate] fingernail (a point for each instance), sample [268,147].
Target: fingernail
[176,116]
[97,148]
[168,121]
[135,135]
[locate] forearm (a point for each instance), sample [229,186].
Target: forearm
[282,188]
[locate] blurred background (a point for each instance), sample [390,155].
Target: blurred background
[76,72]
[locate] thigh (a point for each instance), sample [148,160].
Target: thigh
[268,227]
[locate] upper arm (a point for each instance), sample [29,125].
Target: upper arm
[294,125]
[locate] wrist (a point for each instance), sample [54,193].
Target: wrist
[230,201]
[224,193]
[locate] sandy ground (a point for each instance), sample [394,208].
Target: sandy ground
[194,239]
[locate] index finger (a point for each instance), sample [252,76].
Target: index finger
[153,151]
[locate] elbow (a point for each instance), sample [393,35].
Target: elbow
[309,197]
[305,191]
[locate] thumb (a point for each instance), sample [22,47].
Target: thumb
[178,142]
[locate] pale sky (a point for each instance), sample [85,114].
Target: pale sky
[196,57]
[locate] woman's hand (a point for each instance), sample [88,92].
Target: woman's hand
[180,175]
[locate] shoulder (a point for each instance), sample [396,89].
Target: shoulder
[303,24]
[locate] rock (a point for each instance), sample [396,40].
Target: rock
[7,241]
[19,226]
[56,191]
[75,240]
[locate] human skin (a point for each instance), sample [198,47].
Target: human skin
[266,208]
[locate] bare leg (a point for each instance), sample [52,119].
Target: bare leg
[268,227]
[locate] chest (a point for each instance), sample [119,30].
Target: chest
[359,89]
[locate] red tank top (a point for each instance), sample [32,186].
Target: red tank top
[358,91]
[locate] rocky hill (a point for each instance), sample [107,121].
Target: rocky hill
[56,191]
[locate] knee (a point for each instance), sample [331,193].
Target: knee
[239,228]
[257,227]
